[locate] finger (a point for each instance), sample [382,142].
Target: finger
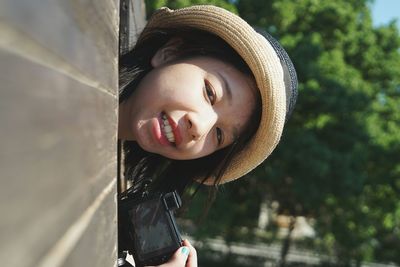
[179,258]
[192,259]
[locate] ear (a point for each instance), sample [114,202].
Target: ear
[166,53]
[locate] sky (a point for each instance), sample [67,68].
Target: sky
[385,10]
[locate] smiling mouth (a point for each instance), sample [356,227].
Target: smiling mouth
[167,129]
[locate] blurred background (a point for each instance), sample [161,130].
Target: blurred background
[329,194]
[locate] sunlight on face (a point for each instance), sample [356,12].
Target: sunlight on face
[189,108]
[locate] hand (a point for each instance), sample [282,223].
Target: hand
[185,256]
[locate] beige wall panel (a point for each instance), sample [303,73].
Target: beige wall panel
[77,35]
[58,154]
[97,245]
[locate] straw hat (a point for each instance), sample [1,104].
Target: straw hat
[273,71]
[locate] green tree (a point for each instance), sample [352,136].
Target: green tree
[152,5]
[339,155]
[339,159]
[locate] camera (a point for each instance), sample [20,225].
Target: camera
[147,227]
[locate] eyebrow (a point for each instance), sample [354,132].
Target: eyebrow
[235,131]
[226,86]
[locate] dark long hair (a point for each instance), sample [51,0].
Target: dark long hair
[134,65]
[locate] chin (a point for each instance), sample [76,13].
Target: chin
[180,157]
[169,156]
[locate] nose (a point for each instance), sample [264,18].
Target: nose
[200,124]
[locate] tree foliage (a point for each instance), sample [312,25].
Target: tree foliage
[152,5]
[339,159]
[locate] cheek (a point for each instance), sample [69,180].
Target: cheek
[155,91]
[198,150]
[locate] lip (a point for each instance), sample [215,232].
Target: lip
[175,130]
[158,133]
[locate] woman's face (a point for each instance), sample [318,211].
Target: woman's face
[187,109]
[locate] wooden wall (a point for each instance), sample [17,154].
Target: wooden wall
[58,132]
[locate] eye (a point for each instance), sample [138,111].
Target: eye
[220,136]
[210,92]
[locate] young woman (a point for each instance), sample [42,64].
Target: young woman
[204,98]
